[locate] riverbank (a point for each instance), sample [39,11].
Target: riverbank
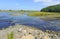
[25,32]
[46,15]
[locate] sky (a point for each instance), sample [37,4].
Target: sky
[26,4]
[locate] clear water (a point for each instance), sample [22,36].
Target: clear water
[7,20]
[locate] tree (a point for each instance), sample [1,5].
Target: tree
[54,8]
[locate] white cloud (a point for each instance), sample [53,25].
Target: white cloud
[48,2]
[17,4]
[42,0]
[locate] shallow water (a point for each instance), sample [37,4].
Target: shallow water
[7,20]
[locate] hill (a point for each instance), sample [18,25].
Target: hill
[54,8]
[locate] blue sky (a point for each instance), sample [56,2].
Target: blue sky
[26,4]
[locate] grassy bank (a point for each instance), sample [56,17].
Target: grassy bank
[42,14]
[45,15]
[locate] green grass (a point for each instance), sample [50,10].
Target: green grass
[10,35]
[43,14]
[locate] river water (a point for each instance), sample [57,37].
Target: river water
[7,20]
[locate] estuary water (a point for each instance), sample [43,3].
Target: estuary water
[6,20]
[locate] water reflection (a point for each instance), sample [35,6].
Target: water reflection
[7,20]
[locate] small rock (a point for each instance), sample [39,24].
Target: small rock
[46,37]
[28,37]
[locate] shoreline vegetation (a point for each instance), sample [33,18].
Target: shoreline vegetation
[46,15]
[19,11]
[33,13]
[25,32]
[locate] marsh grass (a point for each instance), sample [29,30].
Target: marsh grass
[10,35]
[43,14]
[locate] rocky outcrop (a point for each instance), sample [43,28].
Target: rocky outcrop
[25,32]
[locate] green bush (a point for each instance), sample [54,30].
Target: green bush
[10,35]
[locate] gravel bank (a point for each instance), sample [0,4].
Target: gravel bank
[24,32]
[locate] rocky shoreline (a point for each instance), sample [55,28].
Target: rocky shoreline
[25,32]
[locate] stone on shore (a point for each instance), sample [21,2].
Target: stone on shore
[28,37]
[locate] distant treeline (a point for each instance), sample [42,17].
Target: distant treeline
[18,11]
[54,8]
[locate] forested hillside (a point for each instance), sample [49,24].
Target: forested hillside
[54,8]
